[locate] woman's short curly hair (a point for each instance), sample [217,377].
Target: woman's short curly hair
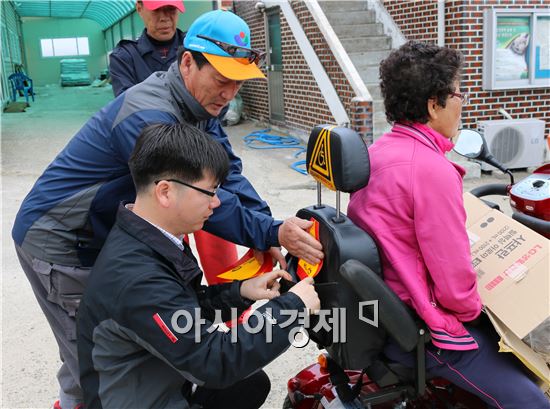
[413,74]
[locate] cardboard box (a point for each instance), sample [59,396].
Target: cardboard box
[513,268]
[512,264]
[546,389]
[511,343]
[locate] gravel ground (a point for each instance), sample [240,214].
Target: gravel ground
[30,141]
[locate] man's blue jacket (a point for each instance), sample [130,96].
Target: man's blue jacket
[69,211]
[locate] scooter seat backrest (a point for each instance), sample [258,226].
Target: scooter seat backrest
[338,158]
[342,240]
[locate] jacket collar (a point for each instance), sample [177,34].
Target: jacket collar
[184,262]
[429,137]
[426,135]
[193,112]
[144,45]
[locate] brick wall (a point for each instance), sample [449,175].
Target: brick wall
[416,19]
[464,31]
[254,92]
[304,105]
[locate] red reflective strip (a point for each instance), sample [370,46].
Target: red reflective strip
[165,328]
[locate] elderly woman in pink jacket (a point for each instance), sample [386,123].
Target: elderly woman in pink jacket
[413,208]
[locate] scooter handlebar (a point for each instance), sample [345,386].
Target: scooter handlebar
[499,189]
[538,225]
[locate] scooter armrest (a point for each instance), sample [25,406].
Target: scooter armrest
[392,312]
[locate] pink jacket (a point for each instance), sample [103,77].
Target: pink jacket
[413,208]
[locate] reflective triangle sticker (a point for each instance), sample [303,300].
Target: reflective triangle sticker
[321,166]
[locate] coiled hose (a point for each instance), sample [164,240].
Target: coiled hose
[263,140]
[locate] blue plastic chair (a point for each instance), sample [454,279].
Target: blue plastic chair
[20,82]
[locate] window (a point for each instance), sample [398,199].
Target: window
[63,47]
[542,48]
[516,49]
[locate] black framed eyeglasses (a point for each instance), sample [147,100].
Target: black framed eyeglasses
[463,97]
[198,189]
[253,56]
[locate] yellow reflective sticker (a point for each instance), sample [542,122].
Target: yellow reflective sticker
[246,267]
[321,167]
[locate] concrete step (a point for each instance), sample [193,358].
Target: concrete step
[353,45]
[379,116]
[368,73]
[358,30]
[363,65]
[333,6]
[345,17]
[365,42]
[365,57]
[374,90]
[378,105]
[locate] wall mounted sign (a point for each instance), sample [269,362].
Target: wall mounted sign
[516,48]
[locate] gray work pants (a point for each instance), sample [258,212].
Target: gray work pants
[58,290]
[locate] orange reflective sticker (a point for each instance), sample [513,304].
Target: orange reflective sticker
[306,269]
[246,267]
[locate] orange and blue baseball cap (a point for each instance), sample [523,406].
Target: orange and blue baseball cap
[156,4]
[224,40]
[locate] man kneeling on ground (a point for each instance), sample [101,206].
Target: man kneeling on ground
[145,334]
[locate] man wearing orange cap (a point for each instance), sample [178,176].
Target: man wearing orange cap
[132,61]
[224,40]
[64,220]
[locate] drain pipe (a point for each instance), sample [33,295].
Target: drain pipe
[504,113]
[441,23]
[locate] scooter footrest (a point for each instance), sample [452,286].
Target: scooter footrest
[387,395]
[381,374]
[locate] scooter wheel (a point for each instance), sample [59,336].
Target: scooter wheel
[287,404]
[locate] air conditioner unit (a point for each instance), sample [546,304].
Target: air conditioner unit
[516,143]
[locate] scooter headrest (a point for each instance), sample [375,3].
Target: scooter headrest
[338,158]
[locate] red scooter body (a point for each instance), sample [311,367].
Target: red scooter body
[309,387]
[312,389]
[531,196]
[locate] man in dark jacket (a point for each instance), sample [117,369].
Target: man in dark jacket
[132,61]
[145,332]
[63,222]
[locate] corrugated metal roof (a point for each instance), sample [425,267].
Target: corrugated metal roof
[104,12]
